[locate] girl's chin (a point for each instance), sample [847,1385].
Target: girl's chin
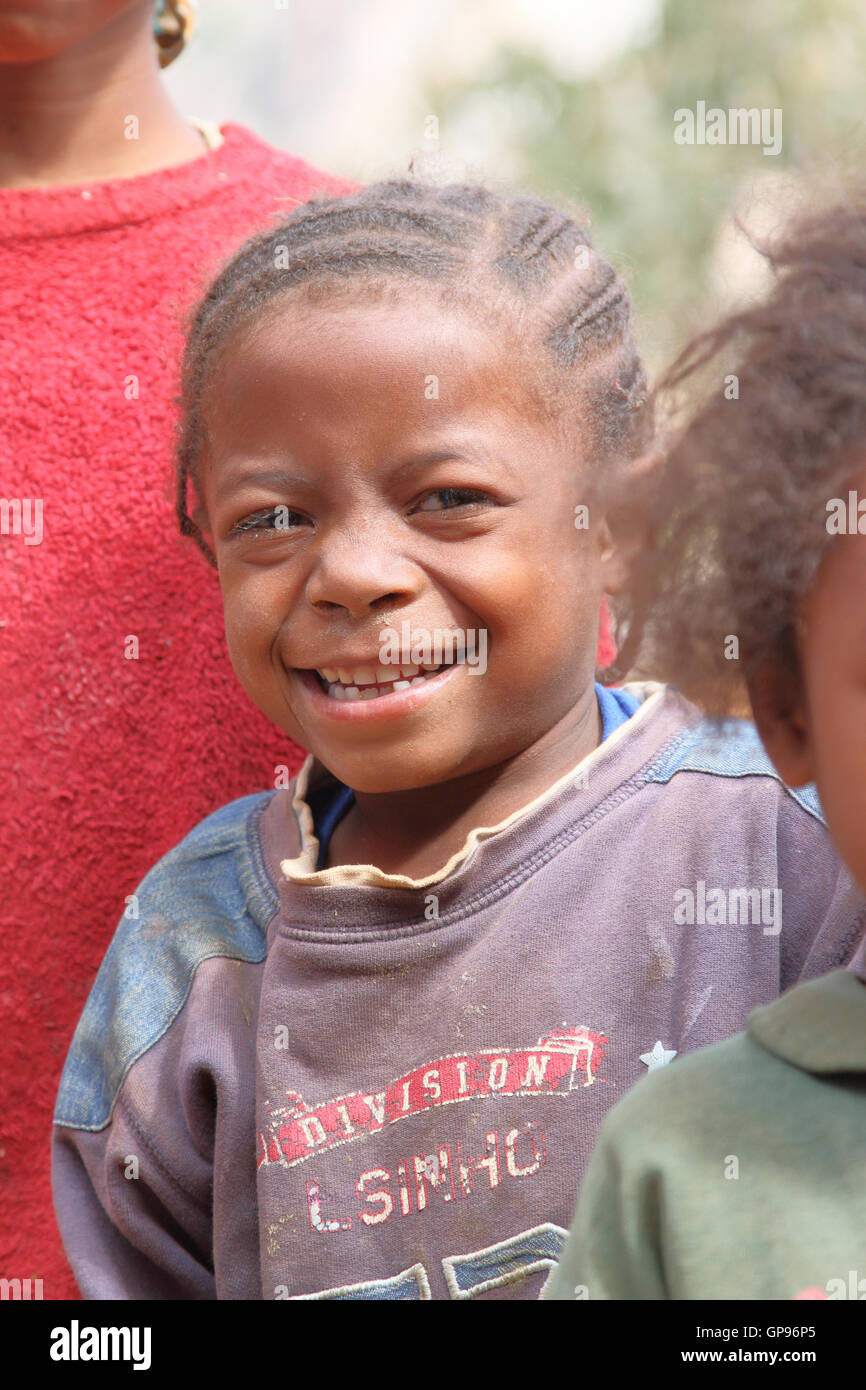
[389,777]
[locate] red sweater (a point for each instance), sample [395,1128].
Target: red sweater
[108,758]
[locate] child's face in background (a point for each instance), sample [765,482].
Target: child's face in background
[824,740]
[451,514]
[833,654]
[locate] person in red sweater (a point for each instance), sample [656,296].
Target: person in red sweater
[122,724]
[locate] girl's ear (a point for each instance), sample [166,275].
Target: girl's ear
[627,521]
[780,717]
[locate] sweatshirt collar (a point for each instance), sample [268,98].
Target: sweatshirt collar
[301,869]
[819,1026]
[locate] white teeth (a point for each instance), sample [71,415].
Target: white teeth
[349,679]
[361,675]
[365,682]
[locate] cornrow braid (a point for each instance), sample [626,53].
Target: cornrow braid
[517,255]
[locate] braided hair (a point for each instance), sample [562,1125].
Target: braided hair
[510,257]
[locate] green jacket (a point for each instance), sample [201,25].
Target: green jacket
[738,1172]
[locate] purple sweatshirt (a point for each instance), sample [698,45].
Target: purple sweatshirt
[346,1084]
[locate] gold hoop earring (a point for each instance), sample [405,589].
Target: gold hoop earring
[173,27]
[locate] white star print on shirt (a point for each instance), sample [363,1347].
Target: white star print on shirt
[659,1057]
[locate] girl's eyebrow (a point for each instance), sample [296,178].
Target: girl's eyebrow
[475,454]
[264,477]
[231,478]
[416,463]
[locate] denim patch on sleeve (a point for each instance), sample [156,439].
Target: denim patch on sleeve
[729,748]
[209,896]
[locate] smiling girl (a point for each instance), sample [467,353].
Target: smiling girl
[359,1033]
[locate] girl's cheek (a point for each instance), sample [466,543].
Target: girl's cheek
[252,602]
[244,665]
[249,637]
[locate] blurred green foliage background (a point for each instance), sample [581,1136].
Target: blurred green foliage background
[607,141]
[572,98]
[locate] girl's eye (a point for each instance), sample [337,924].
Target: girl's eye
[451,497]
[270,519]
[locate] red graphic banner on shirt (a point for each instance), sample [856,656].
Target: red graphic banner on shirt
[565,1060]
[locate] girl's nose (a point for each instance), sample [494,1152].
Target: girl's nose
[359,576]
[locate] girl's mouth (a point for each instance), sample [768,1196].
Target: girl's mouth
[374,691]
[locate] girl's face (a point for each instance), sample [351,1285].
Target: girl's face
[822,738]
[370,466]
[833,657]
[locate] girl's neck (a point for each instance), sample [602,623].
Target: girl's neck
[67,119]
[416,832]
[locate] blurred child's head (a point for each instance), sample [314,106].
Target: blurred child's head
[760,576]
[396,405]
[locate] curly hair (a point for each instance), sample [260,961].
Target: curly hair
[517,260]
[777,429]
